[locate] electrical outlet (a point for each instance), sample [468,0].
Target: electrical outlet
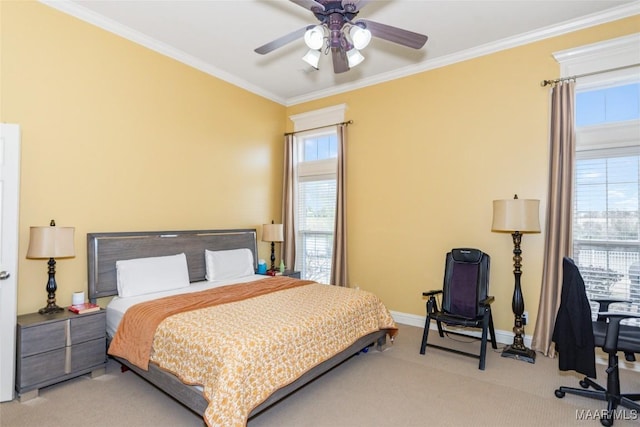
[525,318]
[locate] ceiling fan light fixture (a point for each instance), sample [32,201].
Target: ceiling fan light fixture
[314,38]
[360,37]
[354,57]
[312,57]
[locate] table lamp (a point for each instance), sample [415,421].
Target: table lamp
[272,233]
[51,242]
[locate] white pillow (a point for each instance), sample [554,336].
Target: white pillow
[155,274]
[226,265]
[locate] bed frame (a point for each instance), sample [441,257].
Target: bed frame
[104,249]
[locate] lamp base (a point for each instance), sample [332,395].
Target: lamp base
[50,309]
[519,353]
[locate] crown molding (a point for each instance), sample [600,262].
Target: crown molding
[587,21]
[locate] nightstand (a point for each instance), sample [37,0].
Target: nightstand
[56,347]
[292,273]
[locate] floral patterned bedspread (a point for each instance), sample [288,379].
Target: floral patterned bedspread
[243,351]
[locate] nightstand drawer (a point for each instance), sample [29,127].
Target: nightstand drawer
[45,337]
[41,368]
[88,354]
[88,327]
[44,367]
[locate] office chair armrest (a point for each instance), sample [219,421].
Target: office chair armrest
[487,301]
[613,328]
[603,303]
[618,314]
[431,293]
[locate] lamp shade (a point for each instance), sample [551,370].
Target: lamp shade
[516,215]
[51,242]
[272,233]
[312,57]
[314,38]
[360,37]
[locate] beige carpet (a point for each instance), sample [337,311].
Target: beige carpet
[396,387]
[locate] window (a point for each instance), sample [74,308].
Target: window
[606,227]
[316,203]
[606,217]
[316,160]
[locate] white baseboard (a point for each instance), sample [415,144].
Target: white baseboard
[503,337]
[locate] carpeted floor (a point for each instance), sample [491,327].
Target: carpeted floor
[396,387]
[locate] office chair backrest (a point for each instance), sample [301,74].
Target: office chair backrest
[466,282]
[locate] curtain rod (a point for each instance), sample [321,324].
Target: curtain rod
[348,122]
[562,79]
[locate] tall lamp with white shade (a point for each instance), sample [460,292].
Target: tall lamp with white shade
[51,242]
[517,216]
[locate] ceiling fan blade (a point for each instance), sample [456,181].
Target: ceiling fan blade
[394,34]
[279,42]
[308,4]
[340,64]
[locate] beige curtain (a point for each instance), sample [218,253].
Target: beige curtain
[558,238]
[288,203]
[339,273]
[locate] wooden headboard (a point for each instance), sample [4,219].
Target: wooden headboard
[104,249]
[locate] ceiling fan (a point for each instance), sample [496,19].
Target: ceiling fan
[340,34]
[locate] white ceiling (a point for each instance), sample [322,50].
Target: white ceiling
[219,37]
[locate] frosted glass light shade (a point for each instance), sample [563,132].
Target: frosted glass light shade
[354,57]
[314,38]
[360,37]
[312,58]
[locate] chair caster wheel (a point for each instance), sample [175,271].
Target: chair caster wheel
[606,422]
[559,394]
[584,384]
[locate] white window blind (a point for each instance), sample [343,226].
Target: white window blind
[316,219]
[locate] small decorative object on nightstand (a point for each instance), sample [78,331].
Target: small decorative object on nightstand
[58,347]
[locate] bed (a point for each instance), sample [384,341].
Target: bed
[210,396]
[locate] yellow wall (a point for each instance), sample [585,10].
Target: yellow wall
[117,137]
[428,153]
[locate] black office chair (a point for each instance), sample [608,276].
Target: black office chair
[465,302]
[576,337]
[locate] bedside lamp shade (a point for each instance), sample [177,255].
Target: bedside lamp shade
[51,242]
[272,233]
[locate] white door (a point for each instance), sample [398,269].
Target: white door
[9,193]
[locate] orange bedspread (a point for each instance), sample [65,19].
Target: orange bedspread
[243,351]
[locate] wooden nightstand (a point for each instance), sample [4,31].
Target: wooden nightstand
[56,347]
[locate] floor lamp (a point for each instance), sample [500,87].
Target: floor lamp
[51,242]
[517,216]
